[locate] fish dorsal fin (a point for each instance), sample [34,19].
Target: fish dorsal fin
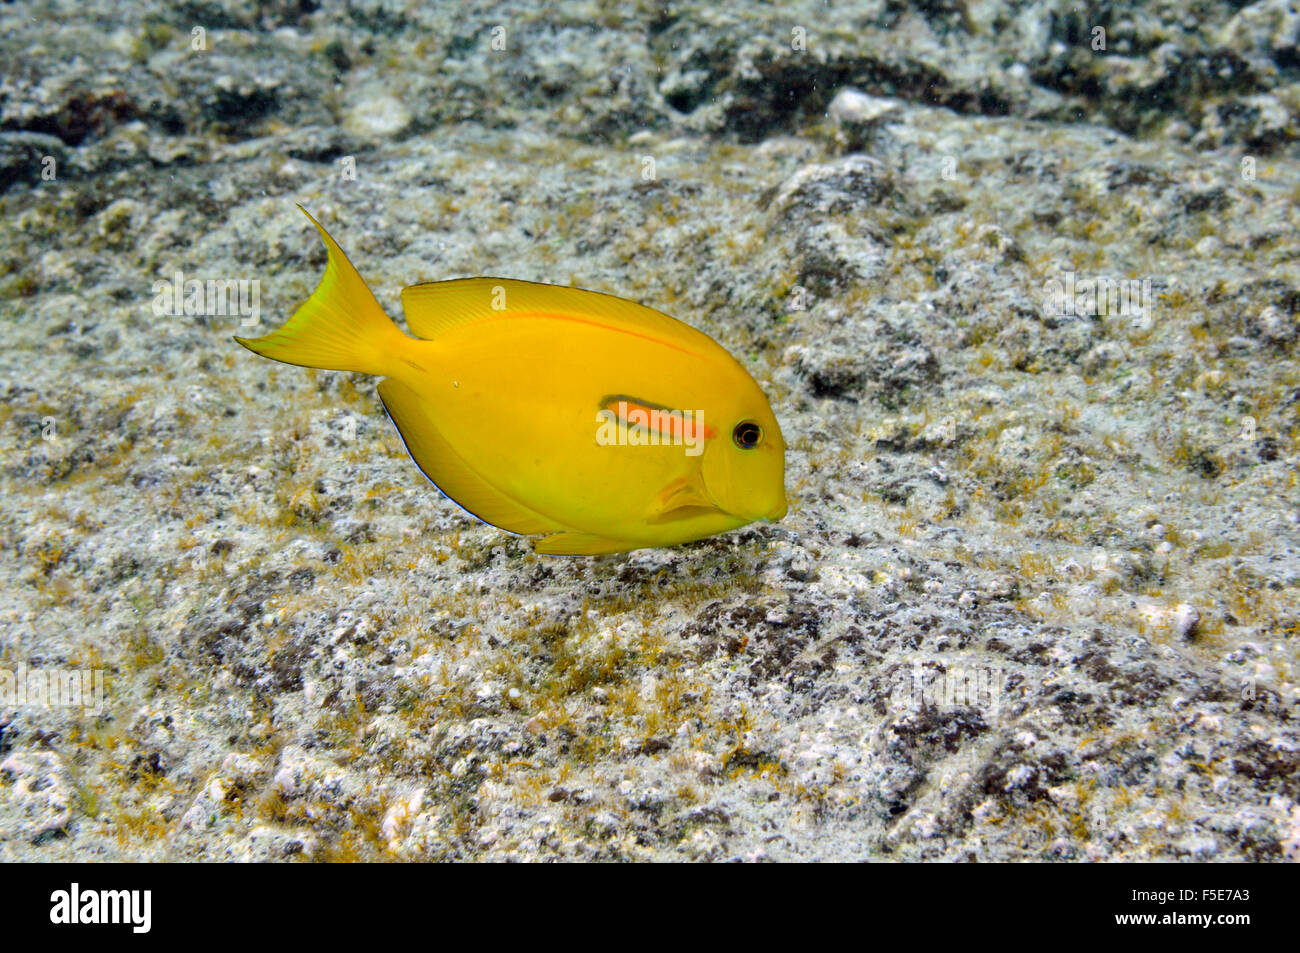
[435,307]
[449,473]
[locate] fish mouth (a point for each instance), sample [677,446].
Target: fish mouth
[774,515]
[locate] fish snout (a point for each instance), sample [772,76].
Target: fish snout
[777,513]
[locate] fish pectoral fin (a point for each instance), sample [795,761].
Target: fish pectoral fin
[681,499]
[582,544]
[682,513]
[448,472]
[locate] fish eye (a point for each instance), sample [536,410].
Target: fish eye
[747,435]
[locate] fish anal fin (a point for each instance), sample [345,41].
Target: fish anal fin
[448,472]
[582,544]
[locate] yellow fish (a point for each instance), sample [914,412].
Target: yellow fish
[543,409]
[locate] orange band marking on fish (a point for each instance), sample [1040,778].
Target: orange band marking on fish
[676,425]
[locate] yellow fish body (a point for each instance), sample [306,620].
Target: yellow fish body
[543,409]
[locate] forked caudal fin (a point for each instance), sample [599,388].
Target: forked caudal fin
[341,327]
